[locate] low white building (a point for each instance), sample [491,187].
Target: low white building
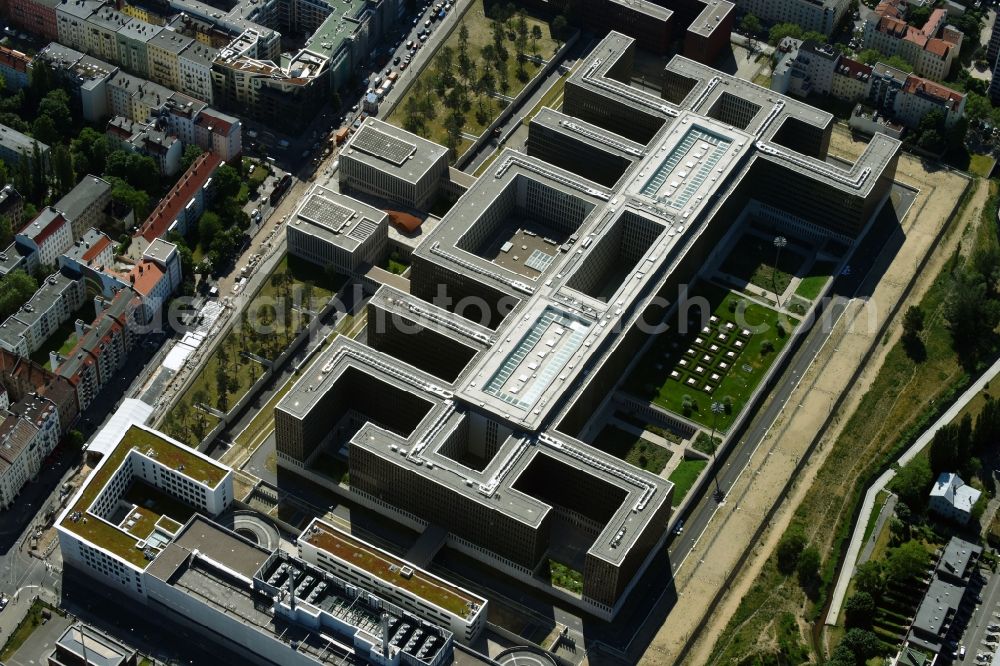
[951,498]
[115,526]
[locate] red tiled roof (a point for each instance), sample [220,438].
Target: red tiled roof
[96,248]
[851,68]
[170,207]
[916,85]
[14,59]
[53,226]
[938,47]
[144,276]
[218,125]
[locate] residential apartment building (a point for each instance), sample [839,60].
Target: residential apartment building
[15,146]
[102,33]
[164,57]
[14,66]
[84,76]
[952,498]
[103,346]
[29,431]
[133,46]
[86,205]
[143,138]
[195,71]
[60,295]
[71,22]
[47,236]
[851,79]
[184,203]
[920,96]
[813,15]
[931,49]
[900,99]
[24,379]
[36,16]
[11,205]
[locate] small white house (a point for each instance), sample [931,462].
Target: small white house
[952,498]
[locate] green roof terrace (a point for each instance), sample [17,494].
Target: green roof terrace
[390,569]
[123,539]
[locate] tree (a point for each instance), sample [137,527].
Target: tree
[912,482]
[781,30]
[413,120]
[899,63]
[870,578]
[62,168]
[987,428]
[222,378]
[807,570]
[913,321]
[445,69]
[906,562]
[751,25]
[191,152]
[128,196]
[209,227]
[870,56]
[55,105]
[44,130]
[951,446]
[971,315]
[917,15]
[227,182]
[15,289]
[559,28]
[977,108]
[789,548]
[862,643]
[6,231]
[93,145]
[536,34]
[498,42]
[859,609]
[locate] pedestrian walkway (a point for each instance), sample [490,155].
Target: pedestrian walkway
[854,547]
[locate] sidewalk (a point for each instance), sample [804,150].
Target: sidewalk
[851,557]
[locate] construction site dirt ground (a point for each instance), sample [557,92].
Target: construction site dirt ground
[700,576]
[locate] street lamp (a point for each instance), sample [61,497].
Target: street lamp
[779,242]
[717,408]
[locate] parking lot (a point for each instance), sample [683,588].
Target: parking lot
[982,634]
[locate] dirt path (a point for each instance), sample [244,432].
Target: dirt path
[704,571]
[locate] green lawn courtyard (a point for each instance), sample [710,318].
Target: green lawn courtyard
[64,338]
[752,261]
[428,103]
[683,478]
[565,577]
[724,361]
[634,450]
[812,284]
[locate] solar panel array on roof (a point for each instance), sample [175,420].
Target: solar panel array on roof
[320,210]
[381,145]
[363,229]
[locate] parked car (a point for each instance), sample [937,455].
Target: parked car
[679,528]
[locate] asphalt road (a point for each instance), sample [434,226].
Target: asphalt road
[984,615]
